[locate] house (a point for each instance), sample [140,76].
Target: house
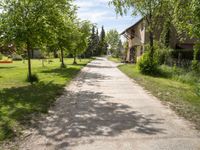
[138,36]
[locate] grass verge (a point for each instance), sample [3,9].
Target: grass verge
[116,60]
[183,97]
[20,101]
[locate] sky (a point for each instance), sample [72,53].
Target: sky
[99,12]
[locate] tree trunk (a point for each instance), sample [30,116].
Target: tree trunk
[62,58]
[55,53]
[75,58]
[151,38]
[29,62]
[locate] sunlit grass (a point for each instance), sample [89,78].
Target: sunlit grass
[182,96]
[19,100]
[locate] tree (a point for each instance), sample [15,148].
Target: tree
[93,43]
[102,46]
[79,39]
[32,23]
[153,12]
[113,39]
[186,18]
[90,49]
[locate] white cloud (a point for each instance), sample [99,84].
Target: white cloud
[94,17]
[98,11]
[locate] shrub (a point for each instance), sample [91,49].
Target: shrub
[198,89]
[162,53]
[146,66]
[32,78]
[195,65]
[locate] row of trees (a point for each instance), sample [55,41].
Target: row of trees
[184,15]
[97,44]
[46,25]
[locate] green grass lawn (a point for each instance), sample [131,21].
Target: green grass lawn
[116,60]
[19,100]
[184,98]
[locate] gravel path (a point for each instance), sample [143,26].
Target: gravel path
[103,109]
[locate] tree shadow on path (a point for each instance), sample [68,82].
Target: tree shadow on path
[86,114]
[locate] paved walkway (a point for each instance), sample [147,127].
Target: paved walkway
[105,110]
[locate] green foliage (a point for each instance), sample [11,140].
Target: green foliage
[198,89]
[146,66]
[33,24]
[195,65]
[33,78]
[179,74]
[1,56]
[79,39]
[21,102]
[154,13]
[186,18]
[103,46]
[195,62]
[162,53]
[93,42]
[114,42]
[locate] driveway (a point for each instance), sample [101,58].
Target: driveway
[102,109]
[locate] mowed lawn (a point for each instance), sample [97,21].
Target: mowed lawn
[116,60]
[20,101]
[184,98]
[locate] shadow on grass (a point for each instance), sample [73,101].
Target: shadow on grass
[7,67]
[17,105]
[69,72]
[80,65]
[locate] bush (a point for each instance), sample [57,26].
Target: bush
[146,66]
[162,53]
[32,78]
[180,74]
[195,65]
[17,57]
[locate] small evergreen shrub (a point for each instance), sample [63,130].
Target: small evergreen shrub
[146,66]
[33,78]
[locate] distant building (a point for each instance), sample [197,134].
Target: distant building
[137,36]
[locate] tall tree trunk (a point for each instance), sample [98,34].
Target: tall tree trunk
[29,61]
[151,45]
[151,36]
[62,58]
[55,53]
[75,58]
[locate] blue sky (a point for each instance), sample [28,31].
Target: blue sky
[99,12]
